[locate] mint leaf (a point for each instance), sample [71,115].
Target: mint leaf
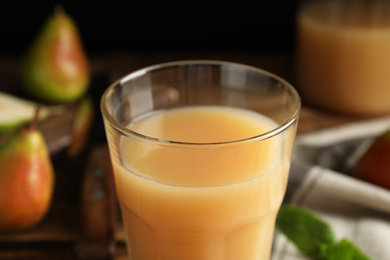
[304,229]
[344,250]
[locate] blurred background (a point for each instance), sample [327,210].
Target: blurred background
[169,26]
[120,36]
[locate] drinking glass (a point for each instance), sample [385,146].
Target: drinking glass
[201,153]
[343,55]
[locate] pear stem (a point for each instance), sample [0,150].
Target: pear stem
[58,10]
[33,124]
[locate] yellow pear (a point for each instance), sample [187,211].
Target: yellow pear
[81,126]
[56,67]
[26,179]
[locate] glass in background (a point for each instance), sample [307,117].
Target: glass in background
[343,55]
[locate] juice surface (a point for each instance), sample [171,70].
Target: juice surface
[209,202]
[344,55]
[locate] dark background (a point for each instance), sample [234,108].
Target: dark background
[160,26]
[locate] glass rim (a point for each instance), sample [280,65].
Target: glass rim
[293,117]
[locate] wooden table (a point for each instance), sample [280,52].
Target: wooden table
[60,234]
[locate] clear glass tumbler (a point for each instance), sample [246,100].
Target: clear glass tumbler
[201,153]
[343,55]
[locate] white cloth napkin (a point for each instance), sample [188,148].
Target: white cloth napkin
[319,181]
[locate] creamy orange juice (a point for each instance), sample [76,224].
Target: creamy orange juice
[197,200]
[343,54]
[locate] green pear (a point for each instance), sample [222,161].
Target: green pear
[81,126]
[15,112]
[26,179]
[374,165]
[56,68]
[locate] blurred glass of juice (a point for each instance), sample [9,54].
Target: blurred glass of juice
[343,55]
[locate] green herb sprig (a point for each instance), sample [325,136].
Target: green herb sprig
[314,237]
